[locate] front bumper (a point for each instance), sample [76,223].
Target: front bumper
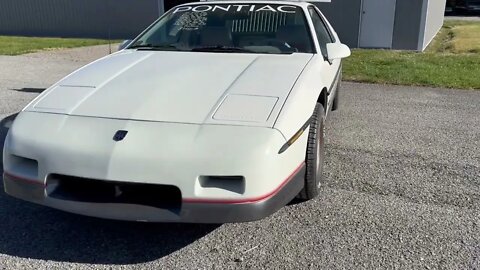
[189,157]
[191,211]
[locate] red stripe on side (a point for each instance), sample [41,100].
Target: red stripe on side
[247,200]
[23,179]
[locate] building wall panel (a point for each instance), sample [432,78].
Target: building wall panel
[408,17]
[416,21]
[434,20]
[74,18]
[344,15]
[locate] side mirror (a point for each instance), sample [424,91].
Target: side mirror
[337,51]
[124,44]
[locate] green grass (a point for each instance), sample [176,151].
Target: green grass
[457,37]
[21,45]
[452,60]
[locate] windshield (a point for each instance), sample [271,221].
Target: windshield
[241,28]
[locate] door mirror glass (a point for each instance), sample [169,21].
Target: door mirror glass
[337,51]
[124,44]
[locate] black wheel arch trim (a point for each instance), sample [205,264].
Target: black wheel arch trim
[297,135]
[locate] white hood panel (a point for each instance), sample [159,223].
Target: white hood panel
[245,108]
[182,87]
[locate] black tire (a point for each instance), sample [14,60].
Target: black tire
[336,101]
[315,155]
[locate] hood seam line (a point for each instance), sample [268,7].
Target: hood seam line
[291,89]
[225,93]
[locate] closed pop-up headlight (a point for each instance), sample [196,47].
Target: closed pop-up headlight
[246,108]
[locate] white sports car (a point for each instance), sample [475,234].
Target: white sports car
[214,114]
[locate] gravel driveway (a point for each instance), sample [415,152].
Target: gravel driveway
[403,191]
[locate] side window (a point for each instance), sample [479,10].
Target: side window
[321,30]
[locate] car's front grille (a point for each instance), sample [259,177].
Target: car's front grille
[99,191]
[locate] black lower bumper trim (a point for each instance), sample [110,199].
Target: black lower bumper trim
[190,212]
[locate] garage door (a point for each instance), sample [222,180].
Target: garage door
[378,17]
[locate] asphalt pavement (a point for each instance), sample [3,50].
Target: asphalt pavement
[402,192]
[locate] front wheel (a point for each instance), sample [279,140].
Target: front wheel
[315,155]
[336,100]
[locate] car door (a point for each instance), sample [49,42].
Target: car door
[325,35]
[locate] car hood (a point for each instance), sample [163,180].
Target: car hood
[181,87]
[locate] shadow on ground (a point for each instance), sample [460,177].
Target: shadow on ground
[29,90]
[32,231]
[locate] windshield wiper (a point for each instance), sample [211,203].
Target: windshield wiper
[140,46]
[153,47]
[220,48]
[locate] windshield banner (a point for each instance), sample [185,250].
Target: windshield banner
[237,8]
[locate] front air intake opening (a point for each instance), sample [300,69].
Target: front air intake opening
[22,166]
[234,184]
[80,189]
